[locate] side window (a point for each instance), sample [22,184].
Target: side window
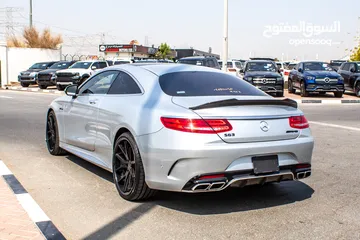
[352,65]
[346,67]
[301,65]
[124,84]
[99,84]
[102,65]
[95,64]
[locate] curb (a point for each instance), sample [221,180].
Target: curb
[34,90]
[318,101]
[36,214]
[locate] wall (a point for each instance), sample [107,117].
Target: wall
[20,59]
[3,70]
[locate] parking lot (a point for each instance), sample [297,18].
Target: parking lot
[83,203]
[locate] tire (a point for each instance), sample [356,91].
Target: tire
[357,89]
[279,94]
[338,94]
[43,86]
[128,170]
[83,80]
[52,136]
[290,87]
[25,84]
[303,93]
[60,87]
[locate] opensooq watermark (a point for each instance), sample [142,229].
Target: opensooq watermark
[309,31]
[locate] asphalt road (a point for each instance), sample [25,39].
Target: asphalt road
[82,201]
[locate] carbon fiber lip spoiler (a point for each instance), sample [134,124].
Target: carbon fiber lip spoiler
[237,102]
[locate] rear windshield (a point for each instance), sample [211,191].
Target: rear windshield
[202,83]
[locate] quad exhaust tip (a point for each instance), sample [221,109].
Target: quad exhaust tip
[302,175]
[216,186]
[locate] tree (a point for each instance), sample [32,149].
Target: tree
[355,56]
[32,38]
[163,51]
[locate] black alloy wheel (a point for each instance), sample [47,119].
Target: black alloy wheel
[52,136]
[303,93]
[357,89]
[128,171]
[290,87]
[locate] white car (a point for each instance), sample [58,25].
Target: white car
[233,67]
[121,61]
[281,67]
[78,73]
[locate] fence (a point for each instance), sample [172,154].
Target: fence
[76,57]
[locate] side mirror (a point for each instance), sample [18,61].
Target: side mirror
[93,67]
[352,70]
[300,70]
[71,90]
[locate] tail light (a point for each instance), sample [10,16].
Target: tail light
[299,122]
[286,73]
[305,165]
[210,126]
[231,69]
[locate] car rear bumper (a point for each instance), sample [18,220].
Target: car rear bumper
[170,164]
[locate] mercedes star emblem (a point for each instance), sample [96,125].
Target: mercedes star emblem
[327,80]
[264,126]
[264,80]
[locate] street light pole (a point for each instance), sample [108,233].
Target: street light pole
[225,47]
[31,14]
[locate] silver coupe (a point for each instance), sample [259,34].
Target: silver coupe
[178,127]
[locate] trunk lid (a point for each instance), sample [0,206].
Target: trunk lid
[254,119]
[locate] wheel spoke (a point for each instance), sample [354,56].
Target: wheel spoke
[123,151]
[123,162]
[121,177]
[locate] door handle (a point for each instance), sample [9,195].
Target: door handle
[92,101]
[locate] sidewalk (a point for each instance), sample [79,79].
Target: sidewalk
[15,223]
[20,216]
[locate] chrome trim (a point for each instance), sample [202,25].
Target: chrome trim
[243,178]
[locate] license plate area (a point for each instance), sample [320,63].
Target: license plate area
[327,87]
[265,164]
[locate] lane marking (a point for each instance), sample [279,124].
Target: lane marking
[32,208]
[5,97]
[335,126]
[36,214]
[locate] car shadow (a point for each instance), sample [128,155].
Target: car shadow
[227,201]
[235,199]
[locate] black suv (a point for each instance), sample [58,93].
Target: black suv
[314,76]
[265,75]
[47,77]
[29,76]
[201,61]
[350,71]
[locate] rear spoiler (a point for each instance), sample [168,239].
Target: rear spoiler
[236,102]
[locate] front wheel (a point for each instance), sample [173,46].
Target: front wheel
[43,86]
[338,94]
[52,136]
[304,93]
[357,89]
[279,94]
[290,87]
[60,87]
[128,170]
[24,84]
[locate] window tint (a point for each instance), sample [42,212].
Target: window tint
[102,65]
[99,84]
[200,83]
[352,65]
[210,63]
[124,84]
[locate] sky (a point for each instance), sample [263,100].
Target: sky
[84,24]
